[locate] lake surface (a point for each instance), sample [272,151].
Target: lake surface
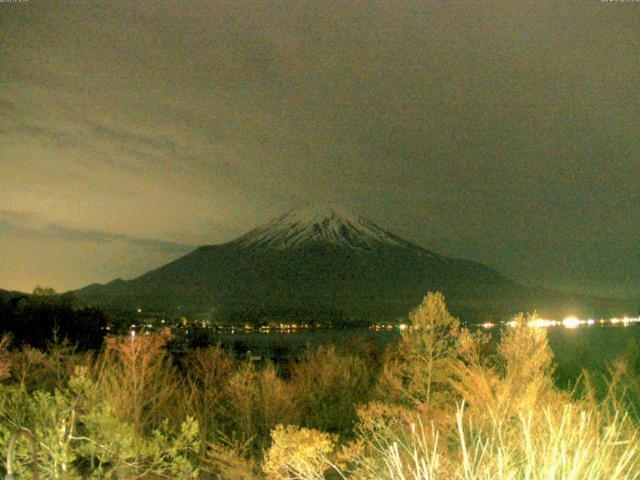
[590,347]
[586,347]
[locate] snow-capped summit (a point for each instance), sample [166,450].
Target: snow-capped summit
[311,223]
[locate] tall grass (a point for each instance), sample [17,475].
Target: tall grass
[559,443]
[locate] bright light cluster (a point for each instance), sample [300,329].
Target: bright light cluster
[542,322]
[569,322]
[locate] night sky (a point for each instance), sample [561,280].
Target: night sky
[506,132]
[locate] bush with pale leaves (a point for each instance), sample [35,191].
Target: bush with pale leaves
[298,453]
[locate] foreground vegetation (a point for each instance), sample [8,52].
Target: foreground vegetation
[443,403]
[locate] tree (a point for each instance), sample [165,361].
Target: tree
[43,291]
[420,364]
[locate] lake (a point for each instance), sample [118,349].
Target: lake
[587,347]
[590,347]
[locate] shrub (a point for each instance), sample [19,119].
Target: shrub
[298,453]
[517,379]
[51,368]
[138,378]
[230,458]
[206,370]
[77,435]
[255,401]
[5,359]
[328,387]
[387,440]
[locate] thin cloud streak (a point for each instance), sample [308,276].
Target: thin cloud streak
[21,223]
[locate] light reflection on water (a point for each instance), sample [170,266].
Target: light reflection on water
[582,345]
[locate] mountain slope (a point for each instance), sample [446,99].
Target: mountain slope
[315,261]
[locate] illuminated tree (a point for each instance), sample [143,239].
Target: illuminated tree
[421,363]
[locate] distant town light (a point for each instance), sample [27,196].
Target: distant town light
[571,322]
[542,323]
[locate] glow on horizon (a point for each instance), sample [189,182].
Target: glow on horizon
[570,322]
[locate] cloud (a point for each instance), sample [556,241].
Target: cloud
[17,123]
[27,224]
[157,149]
[34,251]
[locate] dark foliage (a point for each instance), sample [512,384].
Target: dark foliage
[37,320]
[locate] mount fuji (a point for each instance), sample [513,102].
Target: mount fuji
[317,261]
